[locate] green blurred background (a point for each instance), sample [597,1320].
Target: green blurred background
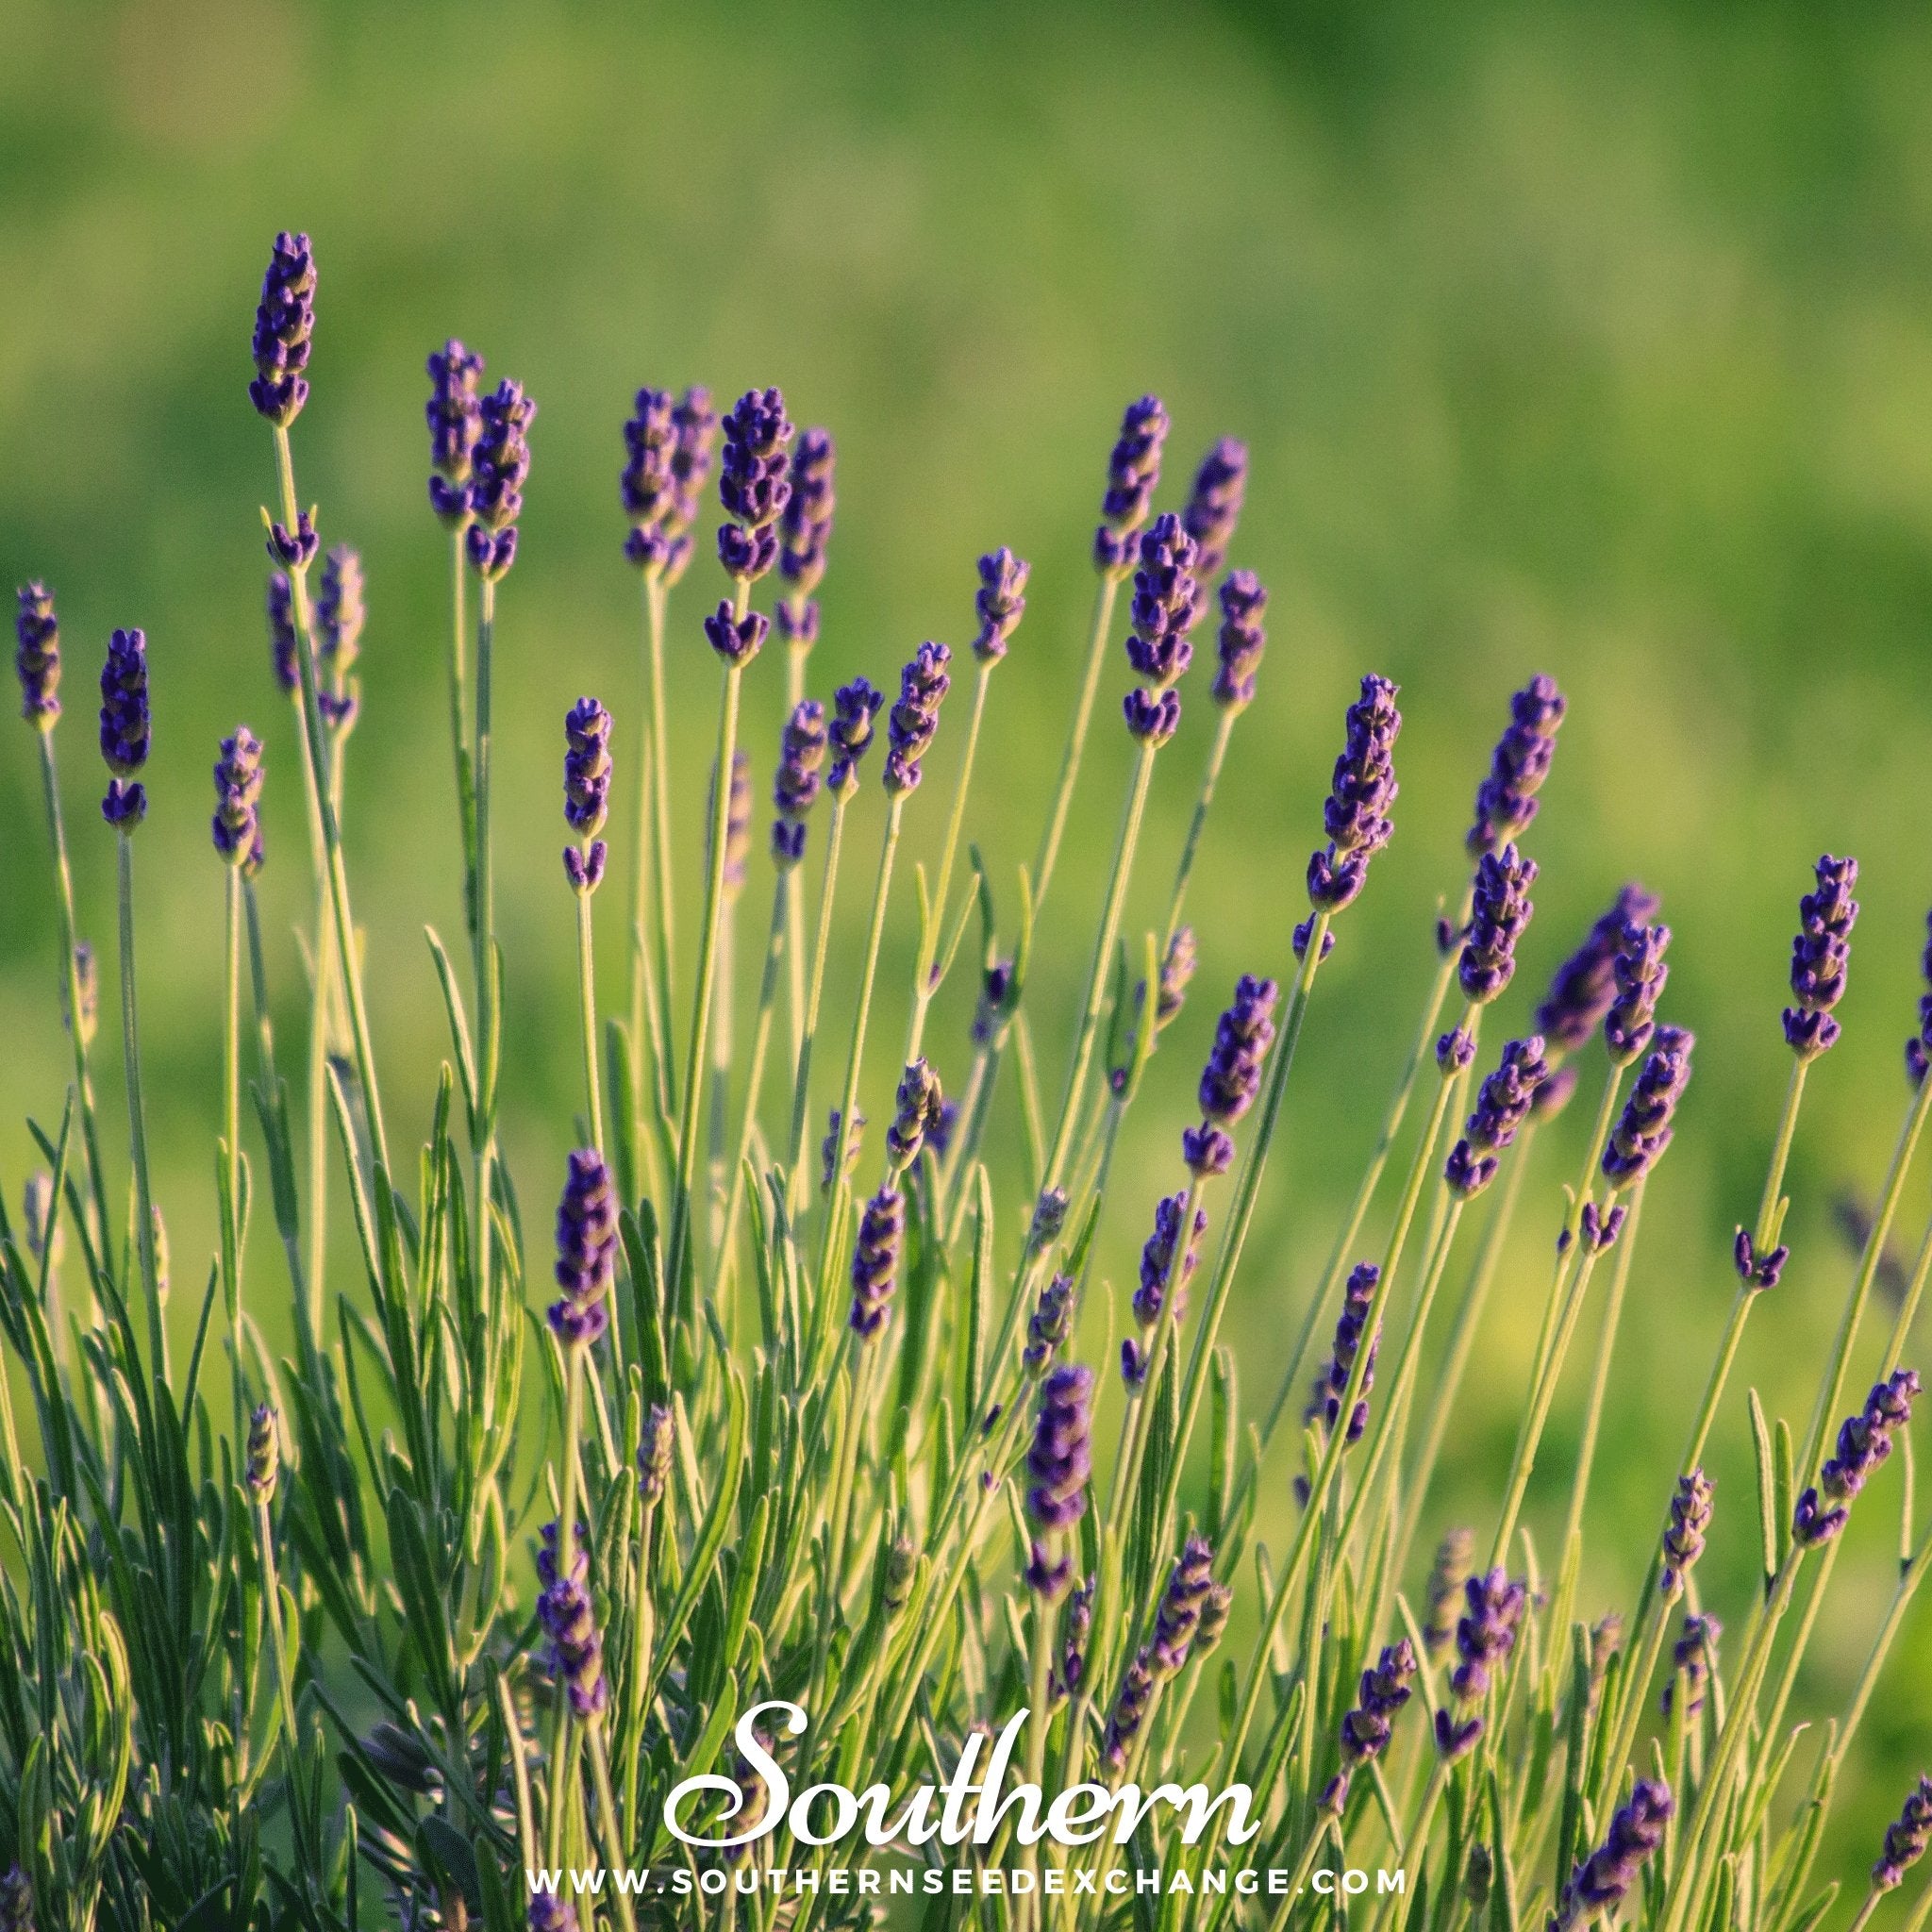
[1594,340]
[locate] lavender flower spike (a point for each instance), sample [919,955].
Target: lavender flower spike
[1132,472]
[500,467]
[1640,972]
[1506,802]
[284,322]
[563,1608]
[238,799]
[1370,1725]
[1166,1266]
[454,416]
[1057,1467]
[1047,1327]
[1691,1510]
[1864,1441]
[801,752]
[1232,1077]
[37,658]
[1645,1130]
[1356,814]
[1919,1048]
[586,791]
[919,1104]
[913,722]
[876,1262]
[854,707]
[1601,1881]
[339,612]
[262,1458]
[805,529]
[1178,1615]
[1167,603]
[1244,637]
[754,484]
[549,1913]
[1694,1656]
[1331,1383]
[1000,602]
[1214,507]
[1131,1705]
[654,1453]
[586,1251]
[1501,911]
[1487,1633]
[1905,1838]
[1503,1103]
[1820,954]
[828,1148]
[1584,987]
[284,647]
[125,730]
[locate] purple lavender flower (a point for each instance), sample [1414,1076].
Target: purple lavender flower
[262,1458]
[1506,801]
[1178,1615]
[455,419]
[1176,970]
[995,991]
[1000,602]
[650,441]
[1599,1881]
[1331,1382]
[654,1453]
[1132,472]
[1501,910]
[1058,1466]
[828,1148]
[1072,1670]
[126,734]
[854,706]
[1756,1270]
[339,612]
[752,484]
[1370,1725]
[1690,1521]
[1694,1658]
[918,1107]
[1819,956]
[238,799]
[1355,817]
[563,1608]
[1167,602]
[1232,1077]
[801,752]
[1152,717]
[549,1913]
[1503,1103]
[1131,1705]
[586,790]
[38,657]
[1864,1441]
[1048,1325]
[876,1262]
[1905,1838]
[500,465]
[1214,507]
[284,648]
[805,529]
[1163,1272]
[16,1901]
[1640,972]
[1487,1633]
[913,721]
[1585,985]
[284,322]
[586,1250]
[1049,1217]
[1244,637]
[1645,1130]
[1919,1048]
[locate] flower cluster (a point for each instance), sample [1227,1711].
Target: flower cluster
[1214,505]
[1640,972]
[754,485]
[285,649]
[1047,1327]
[238,801]
[654,1453]
[1485,1635]
[1167,603]
[1600,1882]
[125,730]
[1166,1264]
[1905,1838]
[805,529]
[1132,472]
[586,1250]
[284,322]
[455,415]
[1645,1130]
[668,450]
[1919,1047]
[1864,1441]
[875,1257]
[1691,1510]
[1693,1657]
[1820,954]
[1242,639]
[1000,602]
[1370,1722]
[1503,1103]
[1500,910]
[801,752]
[500,465]
[1355,817]
[586,791]
[1177,1617]
[564,1609]
[917,1112]
[1506,802]
[262,1458]
[1582,989]
[1232,1077]
[1058,1466]
[1331,1383]
[913,721]
[854,707]
[37,656]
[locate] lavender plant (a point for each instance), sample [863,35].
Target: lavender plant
[772,1571]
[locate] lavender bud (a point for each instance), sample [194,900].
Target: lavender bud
[1820,954]
[1455,1052]
[1370,1725]
[1506,802]
[654,1454]
[1160,1270]
[1503,1103]
[1905,1838]
[1049,1217]
[1244,637]
[1694,1655]
[455,419]
[284,322]
[263,1460]
[1061,1458]
[238,797]
[919,1104]
[1356,814]
[995,992]
[37,658]
[1645,1130]
[1178,1614]
[752,484]
[125,728]
[500,468]
[284,649]
[1176,969]
[650,439]
[1331,1383]
[1232,1077]
[1501,910]
[1153,718]
[1585,985]
[1455,1560]
[549,1913]
[854,706]
[564,1609]
[586,1250]
[1000,602]
[1599,1881]
[1691,1510]
[875,1258]
[1048,1325]
[828,1149]
[805,529]
[1167,603]
[1641,973]
[1132,472]
[586,767]
[1919,1048]
[801,752]
[1130,1707]
[16,1901]
[1864,1441]
[1486,1634]
[1216,1607]
[1214,507]
[1072,1670]
[914,720]
[1756,1270]
[339,610]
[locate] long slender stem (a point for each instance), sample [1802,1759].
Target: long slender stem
[587,1000]
[459,721]
[1104,595]
[285,1676]
[137,1116]
[651,939]
[782,899]
[231,1129]
[801,1080]
[1204,800]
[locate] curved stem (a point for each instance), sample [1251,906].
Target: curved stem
[801,1080]
[137,1116]
[231,1130]
[587,1000]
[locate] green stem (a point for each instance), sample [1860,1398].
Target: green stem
[566,1555]
[231,1131]
[459,719]
[782,898]
[1204,800]
[794,911]
[285,1676]
[586,997]
[801,1082]
[137,1116]
[614,1848]
[1105,593]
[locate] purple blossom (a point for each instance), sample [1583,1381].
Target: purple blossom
[1161,1271]
[284,322]
[805,529]
[1355,817]
[875,1257]
[456,420]
[1503,1103]
[1048,1325]
[37,657]
[1370,1722]
[586,1250]
[1864,1441]
[754,484]
[284,647]
[586,767]
[1331,1382]
[1585,985]
[1694,1658]
[1176,970]
[1600,1882]
[801,752]
[126,734]
[1905,1838]
[1057,1467]
[1132,472]
[918,1106]
[563,1608]
[1214,507]
[1131,1705]
[1506,802]
[1819,956]
[1691,1509]
[500,465]
[1152,717]
[1232,1077]
[854,706]
[1178,1615]
[1756,1270]
[1645,1130]
[1000,602]
[1487,1633]
[1244,637]
[1640,972]
[1167,603]
[914,720]
[238,801]
[1919,1048]
[1500,912]
[668,447]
